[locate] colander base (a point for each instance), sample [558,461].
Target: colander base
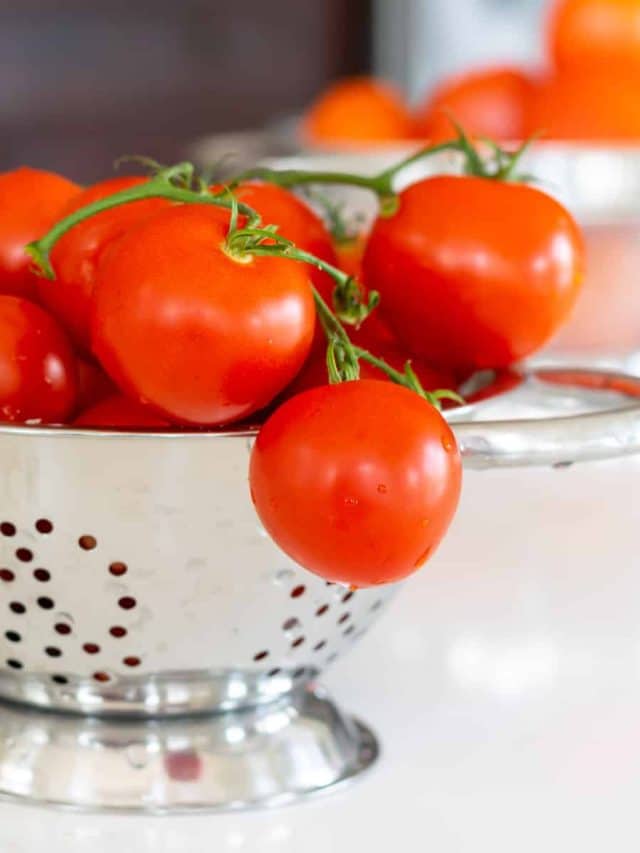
[300,745]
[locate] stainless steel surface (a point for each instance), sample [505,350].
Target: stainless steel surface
[269,755]
[136,579]
[137,586]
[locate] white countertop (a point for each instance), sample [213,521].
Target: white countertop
[503,683]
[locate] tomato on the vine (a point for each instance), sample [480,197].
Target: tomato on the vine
[357,482]
[30,202]
[475,272]
[76,255]
[120,412]
[38,382]
[314,373]
[297,222]
[203,336]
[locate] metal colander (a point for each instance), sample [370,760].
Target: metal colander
[140,596]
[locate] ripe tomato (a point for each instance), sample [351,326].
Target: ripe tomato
[593,104]
[75,257]
[120,412]
[356,482]
[297,222]
[595,33]
[349,255]
[494,103]
[201,336]
[38,381]
[30,202]
[358,109]
[473,272]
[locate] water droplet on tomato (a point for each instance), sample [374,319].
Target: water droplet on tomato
[422,559]
[448,443]
[382,488]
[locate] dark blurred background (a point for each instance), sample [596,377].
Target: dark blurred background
[84,80]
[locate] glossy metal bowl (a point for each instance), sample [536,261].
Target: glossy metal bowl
[159,652]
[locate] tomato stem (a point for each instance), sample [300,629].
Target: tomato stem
[342,356]
[501,166]
[173,184]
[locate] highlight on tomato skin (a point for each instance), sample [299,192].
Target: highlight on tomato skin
[475,273]
[76,256]
[357,482]
[30,202]
[38,377]
[357,110]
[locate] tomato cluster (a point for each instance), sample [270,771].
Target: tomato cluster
[162,303]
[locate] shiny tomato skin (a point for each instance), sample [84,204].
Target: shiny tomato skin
[119,412]
[475,273]
[492,103]
[594,33]
[180,325]
[75,257]
[357,482]
[30,202]
[297,222]
[38,380]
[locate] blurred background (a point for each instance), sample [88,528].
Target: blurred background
[84,81]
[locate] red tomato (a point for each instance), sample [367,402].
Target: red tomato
[356,110]
[296,222]
[493,103]
[120,412]
[75,257]
[93,384]
[356,482]
[30,202]
[201,336]
[349,255]
[597,104]
[595,33]
[475,273]
[374,334]
[38,381]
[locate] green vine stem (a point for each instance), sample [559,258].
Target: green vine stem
[181,184]
[342,356]
[501,166]
[173,183]
[381,184]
